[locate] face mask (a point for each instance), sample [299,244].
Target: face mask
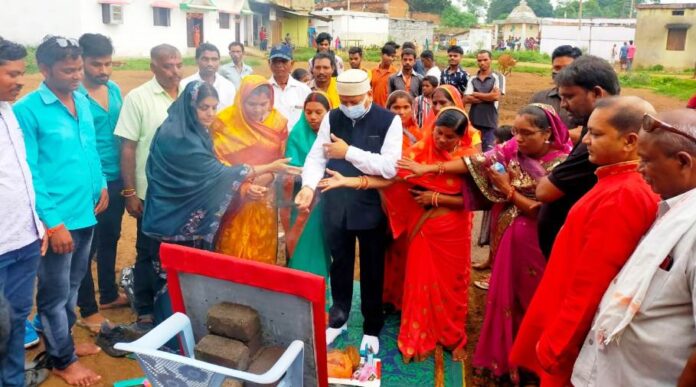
[356,111]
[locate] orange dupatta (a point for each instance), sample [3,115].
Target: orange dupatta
[249,230]
[472,136]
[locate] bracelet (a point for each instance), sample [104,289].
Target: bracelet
[434,199]
[364,183]
[128,192]
[440,168]
[53,230]
[510,194]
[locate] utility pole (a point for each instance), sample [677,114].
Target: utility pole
[580,24]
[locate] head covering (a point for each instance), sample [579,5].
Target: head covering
[282,51]
[560,137]
[189,189]
[692,103]
[239,140]
[352,82]
[454,95]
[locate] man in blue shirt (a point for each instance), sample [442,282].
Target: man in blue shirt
[454,74]
[70,189]
[105,102]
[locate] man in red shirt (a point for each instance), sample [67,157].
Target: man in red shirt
[379,81]
[600,233]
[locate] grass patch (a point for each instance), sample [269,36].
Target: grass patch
[671,86]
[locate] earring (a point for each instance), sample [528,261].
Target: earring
[547,142]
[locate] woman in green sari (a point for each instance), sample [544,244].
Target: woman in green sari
[304,232]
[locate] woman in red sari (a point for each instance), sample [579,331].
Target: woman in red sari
[429,211]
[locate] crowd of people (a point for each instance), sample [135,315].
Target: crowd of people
[587,198]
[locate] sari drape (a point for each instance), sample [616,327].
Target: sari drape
[435,290]
[518,261]
[250,230]
[472,136]
[189,189]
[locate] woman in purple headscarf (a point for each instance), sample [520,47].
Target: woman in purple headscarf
[540,142]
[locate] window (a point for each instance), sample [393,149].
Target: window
[224,20]
[161,16]
[678,12]
[676,39]
[112,14]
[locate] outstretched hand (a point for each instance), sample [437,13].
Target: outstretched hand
[304,198]
[281,165]
[335,181]
[413,166]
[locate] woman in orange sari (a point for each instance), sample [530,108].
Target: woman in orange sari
[251,131]
[429,211]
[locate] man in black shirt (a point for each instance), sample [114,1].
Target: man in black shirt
[580,85]
[454,74]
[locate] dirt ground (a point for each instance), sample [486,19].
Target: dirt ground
[520,87]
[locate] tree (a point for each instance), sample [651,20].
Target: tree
[432,6]
[596,8]
[498,8]
[452,17]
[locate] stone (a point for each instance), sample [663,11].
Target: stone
[232,383]
[223,352]
[262,362]
[255,344]
[234,321]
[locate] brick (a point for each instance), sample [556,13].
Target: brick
[255,345]
[232,383]
[223,352]
[234,321]
[263,362]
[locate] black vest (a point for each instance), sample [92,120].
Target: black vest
[347,207]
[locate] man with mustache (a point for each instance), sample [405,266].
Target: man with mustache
[70,190]
[208,60]
[105,102]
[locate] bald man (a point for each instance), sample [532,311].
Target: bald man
[144,110]
[651,305]
[601,231]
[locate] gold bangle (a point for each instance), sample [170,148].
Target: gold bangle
[510,194]
[440,168]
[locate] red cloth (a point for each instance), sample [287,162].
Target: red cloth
[380,84]
[601,231]
[692,103]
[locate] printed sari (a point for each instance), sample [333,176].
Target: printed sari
[518,261]
[249,229]
[435,290]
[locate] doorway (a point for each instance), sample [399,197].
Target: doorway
[194,29]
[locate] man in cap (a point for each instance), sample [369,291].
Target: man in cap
[289,94]
[359,138]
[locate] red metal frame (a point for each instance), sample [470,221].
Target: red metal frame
[179,259]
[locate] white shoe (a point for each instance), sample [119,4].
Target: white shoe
[370,342]
[333,333]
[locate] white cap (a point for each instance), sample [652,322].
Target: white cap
[352,82]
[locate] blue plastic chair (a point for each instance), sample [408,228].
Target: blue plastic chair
[166,369]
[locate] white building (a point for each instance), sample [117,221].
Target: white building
[134,26]
[475,39]
[592,36]
[354,28]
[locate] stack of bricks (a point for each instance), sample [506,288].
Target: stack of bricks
[235,340]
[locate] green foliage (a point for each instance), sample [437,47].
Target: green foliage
[452,17]
[658,67]
[433,6]
[672,86]
[500,9]
[596,8]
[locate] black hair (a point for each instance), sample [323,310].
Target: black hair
[456,49]
[324,55]
[399,94]
[322,37]
[206,90]
[393,44]
[434,82]
[388,49]
[95,46]
[537,116]
[490,55]
[316,96]
[566,50]
[410,45]
[626,112]
[50,52]
[203,47]
[427,54]
[630,42]
[408,51]
[453,119]
[503,133]
[299,73]
[262,89]
[235,43]
[588,72]
[11,51]
[355,50]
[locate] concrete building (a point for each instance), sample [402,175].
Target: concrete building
[666,35]
[398,9]
[354,28]
[283,17]
[403,30]
[135,26]
[521,23]
[592,36]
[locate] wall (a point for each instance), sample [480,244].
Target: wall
[425,16]
[532,30]
[651,39]
[55,17]
[296,26]
[593,40]
[398,9]
[402,30]
[371,29]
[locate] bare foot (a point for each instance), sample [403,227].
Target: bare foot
[482,265]
[93,323]
[120,302]
[77,375]
[86,349]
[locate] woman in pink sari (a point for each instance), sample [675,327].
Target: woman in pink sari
[540,142]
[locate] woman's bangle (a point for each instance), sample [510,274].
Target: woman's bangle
[364,183]
[128,192]
[434,200]
[510,194]
[440,168]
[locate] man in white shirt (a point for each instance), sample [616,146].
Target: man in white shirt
[359,138]
[208,60]
[21,244]
[289,94]
[644,333]
[429,64]
[237,69]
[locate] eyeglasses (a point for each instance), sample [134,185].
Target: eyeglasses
[61,41]
[526,133]
[650,124]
